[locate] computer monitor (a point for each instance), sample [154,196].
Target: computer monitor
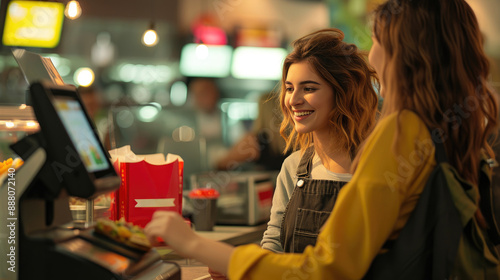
[81,133]
[75,155]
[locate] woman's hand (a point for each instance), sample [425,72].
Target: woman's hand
[172,228]
[216,275]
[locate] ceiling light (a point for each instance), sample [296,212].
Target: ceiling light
[73,10]
[150,38]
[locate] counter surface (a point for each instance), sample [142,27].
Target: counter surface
[233,235]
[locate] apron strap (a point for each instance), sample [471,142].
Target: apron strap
[305,165]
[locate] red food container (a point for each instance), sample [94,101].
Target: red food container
[146,188]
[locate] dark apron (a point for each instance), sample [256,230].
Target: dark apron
[309,207]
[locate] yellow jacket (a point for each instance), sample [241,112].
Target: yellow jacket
[372,208]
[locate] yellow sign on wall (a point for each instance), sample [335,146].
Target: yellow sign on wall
[33,24]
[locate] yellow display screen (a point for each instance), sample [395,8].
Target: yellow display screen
[33,24]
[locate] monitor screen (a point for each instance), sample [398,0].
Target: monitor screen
[81,133]
[76,159]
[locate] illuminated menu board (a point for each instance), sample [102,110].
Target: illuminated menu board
[200,60]
[258,63]
[33,24]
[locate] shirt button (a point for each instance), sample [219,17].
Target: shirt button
[300,183]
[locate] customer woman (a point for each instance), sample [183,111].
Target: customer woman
[329,106]
[429,57]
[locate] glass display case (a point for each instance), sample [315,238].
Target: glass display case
[19,121]
[15,123]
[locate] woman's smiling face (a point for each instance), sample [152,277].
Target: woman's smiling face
[309,99]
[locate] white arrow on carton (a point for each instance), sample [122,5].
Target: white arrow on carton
[160,202]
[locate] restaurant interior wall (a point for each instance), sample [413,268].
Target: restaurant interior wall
[125,21]
[122,19]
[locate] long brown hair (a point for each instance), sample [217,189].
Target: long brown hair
[345,69]
[436,67]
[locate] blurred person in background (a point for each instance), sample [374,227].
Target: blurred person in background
[263,146]
[93,102]
[205,96]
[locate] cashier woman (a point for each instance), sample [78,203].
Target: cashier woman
[332,115]
[327,85]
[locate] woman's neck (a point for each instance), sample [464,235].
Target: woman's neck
[332,155]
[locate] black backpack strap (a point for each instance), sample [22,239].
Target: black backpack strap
[427,245]
[486,192]
[440,153]
[488,200]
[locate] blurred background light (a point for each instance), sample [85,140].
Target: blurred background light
[258,63]
[73,10]
[84,76]
[205,60]
[150,37]
[178,93]
[148,113]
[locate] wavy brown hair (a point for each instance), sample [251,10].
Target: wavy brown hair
[345,69]
[436,67]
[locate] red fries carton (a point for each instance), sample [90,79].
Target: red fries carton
[148,183]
